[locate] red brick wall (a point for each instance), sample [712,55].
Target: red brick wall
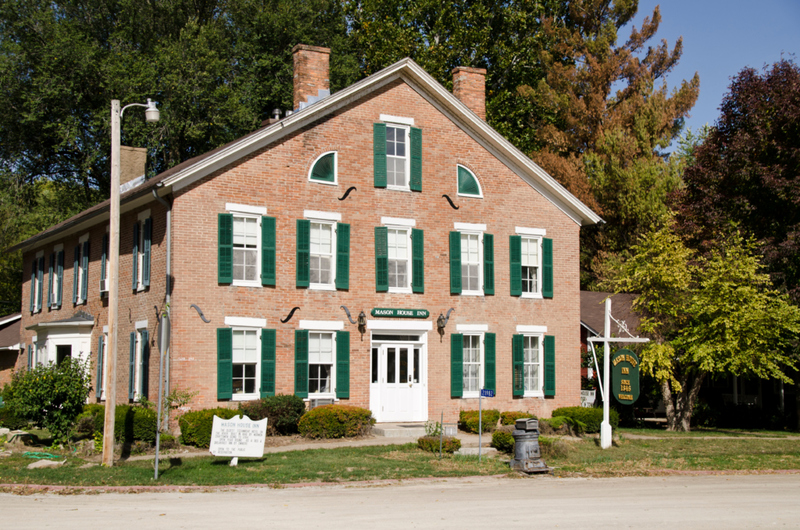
[469,85]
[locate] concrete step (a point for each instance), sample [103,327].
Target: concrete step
[399,430]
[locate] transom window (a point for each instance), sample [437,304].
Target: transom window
[471,262]
[245,248]
[321,256]
[532,352]
[397,156]
[399,258]
[473,365]
[531,264]
[245,361]
[320,363]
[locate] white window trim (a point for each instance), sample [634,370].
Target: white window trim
[536,234]
[469,227]
[105,364]
[397,119]
[250,212]
[144,214]
[398,222]
[257,329]
[480,188]
[322,325]
[314,215]
[534,331]
[335,169]
[37,307]
[331,218]
[482,363]
[81,240]
[328,327]
[402,225]
[472,328]
[407,159]
[141,324]
[55,287]
[246,322]
[244,208]
[141,218]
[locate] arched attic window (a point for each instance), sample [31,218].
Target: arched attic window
[324,169]
[468,185]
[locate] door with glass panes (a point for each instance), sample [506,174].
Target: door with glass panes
[398,387]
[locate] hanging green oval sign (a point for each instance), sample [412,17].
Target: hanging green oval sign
[625,377]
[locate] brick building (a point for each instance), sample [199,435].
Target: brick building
[381,247]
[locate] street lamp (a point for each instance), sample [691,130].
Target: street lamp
[151,115]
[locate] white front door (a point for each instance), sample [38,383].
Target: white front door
[399,387]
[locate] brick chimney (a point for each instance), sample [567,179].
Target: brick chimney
[469,85]
[310,73]
[132,162]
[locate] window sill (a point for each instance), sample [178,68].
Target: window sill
[323,182]
[321,287]
[395,290]
[243,283]
[472,293]
[321,396]
[398,188]
[245,397]
[533,395]
[532,296]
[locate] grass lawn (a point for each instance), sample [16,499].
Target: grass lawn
[705,432]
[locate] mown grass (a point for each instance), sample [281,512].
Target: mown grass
[317,465]
[699,432]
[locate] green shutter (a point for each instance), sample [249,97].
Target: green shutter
[467,183]
[324,169]
[100,352]
[267,362]
[147,242]
[455,262]
[60,274]
[301,363]
[135,254]
[549,366]
[489,361]
[50,272]
[104,257]
[518,364]
[30,356]
[33,285]
[415,183]
[456,365]
[547,268]
[342,256]
[85,268]
[132,368]
[76,265]
[379,154]
[417,260]
[488,264]
[225,249]
[40,282]
[268,251]
[381,259]
[515,258]
[302,271]
[224,363]
[343,364]
[145,362]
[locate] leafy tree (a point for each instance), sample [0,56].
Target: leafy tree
[716,313]
[51,395]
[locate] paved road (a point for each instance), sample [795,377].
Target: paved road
[707,502]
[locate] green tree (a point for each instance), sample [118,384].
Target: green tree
[705,314]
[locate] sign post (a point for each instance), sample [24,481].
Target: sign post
[485,392]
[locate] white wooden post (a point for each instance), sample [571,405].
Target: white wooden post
[605,427]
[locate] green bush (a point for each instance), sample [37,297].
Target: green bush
[7,417]
[503,440]
[196,425]
[51,396]
[450,444]
[553,447]
[336,421]
[283,412]
[590,418]
[468,420]
[132,423]
[510,417]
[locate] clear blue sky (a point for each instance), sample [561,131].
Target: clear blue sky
[720,38]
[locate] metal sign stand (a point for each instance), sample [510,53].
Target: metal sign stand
[605,390]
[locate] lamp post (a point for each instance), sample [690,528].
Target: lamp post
[151,115]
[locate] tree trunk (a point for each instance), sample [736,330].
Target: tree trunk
[679,412]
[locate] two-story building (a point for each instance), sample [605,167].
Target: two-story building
[381,247]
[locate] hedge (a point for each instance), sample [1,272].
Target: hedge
[196,425]
[587,418]
[503,440]
[511,417]
[450,444]
[131,423]
[336,421]
[468,420]
[283,412]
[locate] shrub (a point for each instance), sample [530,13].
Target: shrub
[336,421]
[196,425]
[450,444]
[168,441]
[503,440]
[510,417]
[131,423]
[553,447]
[560,425]
[283,412]
[52,395]
[591,418]
[468,420]
[7,417]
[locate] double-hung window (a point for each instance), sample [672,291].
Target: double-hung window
[245,359]
[322,360]
[142,237]
[397,154]
[56,277]
[80,265]
[471,260]
[399,256]
[531,260]
[323,251]
[37,282]
[533,354]
[139,362]
[472,360]
[246,252]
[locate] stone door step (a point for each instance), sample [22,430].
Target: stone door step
[399,430]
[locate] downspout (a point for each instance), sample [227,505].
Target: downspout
[168,287]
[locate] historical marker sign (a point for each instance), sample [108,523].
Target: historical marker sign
[625,377]
[237,437]
[401,313]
